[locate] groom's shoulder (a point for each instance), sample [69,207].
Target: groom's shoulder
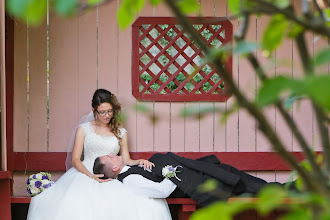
[157,157]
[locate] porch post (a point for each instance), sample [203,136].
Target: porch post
[5,204]
[3,87]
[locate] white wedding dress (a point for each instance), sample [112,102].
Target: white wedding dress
[77,196]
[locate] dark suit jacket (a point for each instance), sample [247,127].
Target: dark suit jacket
[196,172]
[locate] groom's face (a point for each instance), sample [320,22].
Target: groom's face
[112,160]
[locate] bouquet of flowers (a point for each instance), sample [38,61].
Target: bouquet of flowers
[37,183]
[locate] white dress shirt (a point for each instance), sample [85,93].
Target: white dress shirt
[143,186]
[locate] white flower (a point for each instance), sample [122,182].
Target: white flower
[39,176]
[169,171]
[34,190]
[165,171]
[32,182]
[44,182]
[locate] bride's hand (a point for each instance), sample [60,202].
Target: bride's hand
[147,165]
[98,176]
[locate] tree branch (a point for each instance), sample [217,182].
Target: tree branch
[320,116]
[292,125]
[84,7]
[318,8]
[316,25]
[252,109]
[239,36]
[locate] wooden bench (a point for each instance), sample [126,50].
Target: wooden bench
[247,161]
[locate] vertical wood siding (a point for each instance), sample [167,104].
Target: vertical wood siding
[63,81]
[262,143]
[20,88]
[162,109]
[87,61]
[220,128]
[38,88]
[89,52]
[206,126]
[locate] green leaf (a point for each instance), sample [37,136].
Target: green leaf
[272,88]
[299,184]
[155,2]
[292,176]
[301,214]
[281,3]
[240,206]
[188,6]
[270,198]
[124,17]
[65,7]
[218,210]
[198,110]
[306,165]
[294,30]
[222,210]
[319,158]
[274,33]
[234,6]
[127,12]
[317,87]
[36,12]
[322,57]
[191,111]
[327,13]
[233,109]
[122,117]
[206,109]
[209,186]
[17,7]
[248,5]
[325,215]
[142,108]
[244,47]
[31,11]
[94,2]
[315,198]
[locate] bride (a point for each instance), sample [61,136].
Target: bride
[79,194]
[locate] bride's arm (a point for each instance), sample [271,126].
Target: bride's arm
[76,154]
[127,159]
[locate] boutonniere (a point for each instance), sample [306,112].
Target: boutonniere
[169,171]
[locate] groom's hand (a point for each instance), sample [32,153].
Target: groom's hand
[98,176]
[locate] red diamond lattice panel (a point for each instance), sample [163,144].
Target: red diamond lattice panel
[167,65]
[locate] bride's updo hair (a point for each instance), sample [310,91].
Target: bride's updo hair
[104,96]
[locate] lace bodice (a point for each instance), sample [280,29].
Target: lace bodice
[96,145]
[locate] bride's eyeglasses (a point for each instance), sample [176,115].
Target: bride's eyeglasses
[104,113]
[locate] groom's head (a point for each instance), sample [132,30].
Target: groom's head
[109,165]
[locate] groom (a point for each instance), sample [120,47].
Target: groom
[192,173]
